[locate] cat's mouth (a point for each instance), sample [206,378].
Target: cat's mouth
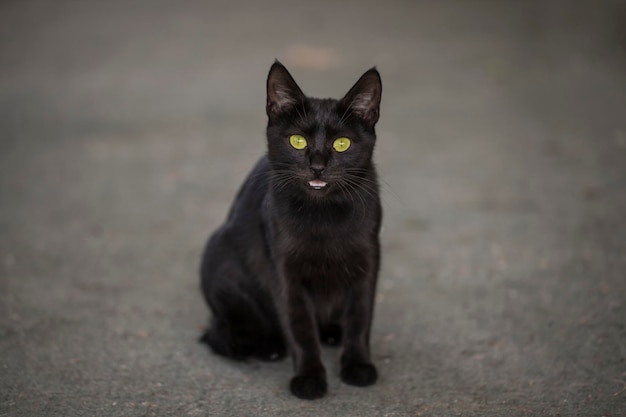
[317,184]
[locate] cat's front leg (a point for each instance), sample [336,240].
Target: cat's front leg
[309,381]
[356,366]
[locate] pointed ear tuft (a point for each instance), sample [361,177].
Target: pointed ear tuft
[282,91]
[364,97]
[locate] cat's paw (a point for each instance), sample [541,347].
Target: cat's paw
[308,387]
[359,374]
[270,352]
[331,334]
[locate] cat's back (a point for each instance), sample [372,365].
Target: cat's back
[249,199]
[239,240]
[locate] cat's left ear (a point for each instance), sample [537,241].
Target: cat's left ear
[364,97]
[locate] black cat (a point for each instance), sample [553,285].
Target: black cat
[297,259]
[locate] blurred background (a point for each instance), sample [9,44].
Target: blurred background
[126,128]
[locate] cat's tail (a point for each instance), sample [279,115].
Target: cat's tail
[218,339]
[241,345]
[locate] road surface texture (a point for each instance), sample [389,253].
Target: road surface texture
[126,128]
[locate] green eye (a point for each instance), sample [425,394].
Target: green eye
[297,141]
[341,144]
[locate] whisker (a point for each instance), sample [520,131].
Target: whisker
[347,191]
[354,187]
[361,187]
[379,182]
[346,115]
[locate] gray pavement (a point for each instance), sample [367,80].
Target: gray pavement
[126,127]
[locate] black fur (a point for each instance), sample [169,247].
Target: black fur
[294,265]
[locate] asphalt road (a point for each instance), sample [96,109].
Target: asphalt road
[127,127]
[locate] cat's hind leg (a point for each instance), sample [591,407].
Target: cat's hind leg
[242,324]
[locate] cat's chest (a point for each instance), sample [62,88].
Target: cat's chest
[337,244]
[319,239]
[339,259]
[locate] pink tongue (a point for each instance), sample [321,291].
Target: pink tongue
[317,183]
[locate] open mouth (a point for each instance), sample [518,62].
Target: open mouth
[317,184]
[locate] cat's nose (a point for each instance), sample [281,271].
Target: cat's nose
[317,169]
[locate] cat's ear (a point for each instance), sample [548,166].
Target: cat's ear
[364,97]
[282,91]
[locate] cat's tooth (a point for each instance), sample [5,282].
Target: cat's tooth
[317,184]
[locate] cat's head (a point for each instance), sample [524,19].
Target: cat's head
[322,147]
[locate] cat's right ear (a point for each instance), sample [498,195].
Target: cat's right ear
[282,91]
